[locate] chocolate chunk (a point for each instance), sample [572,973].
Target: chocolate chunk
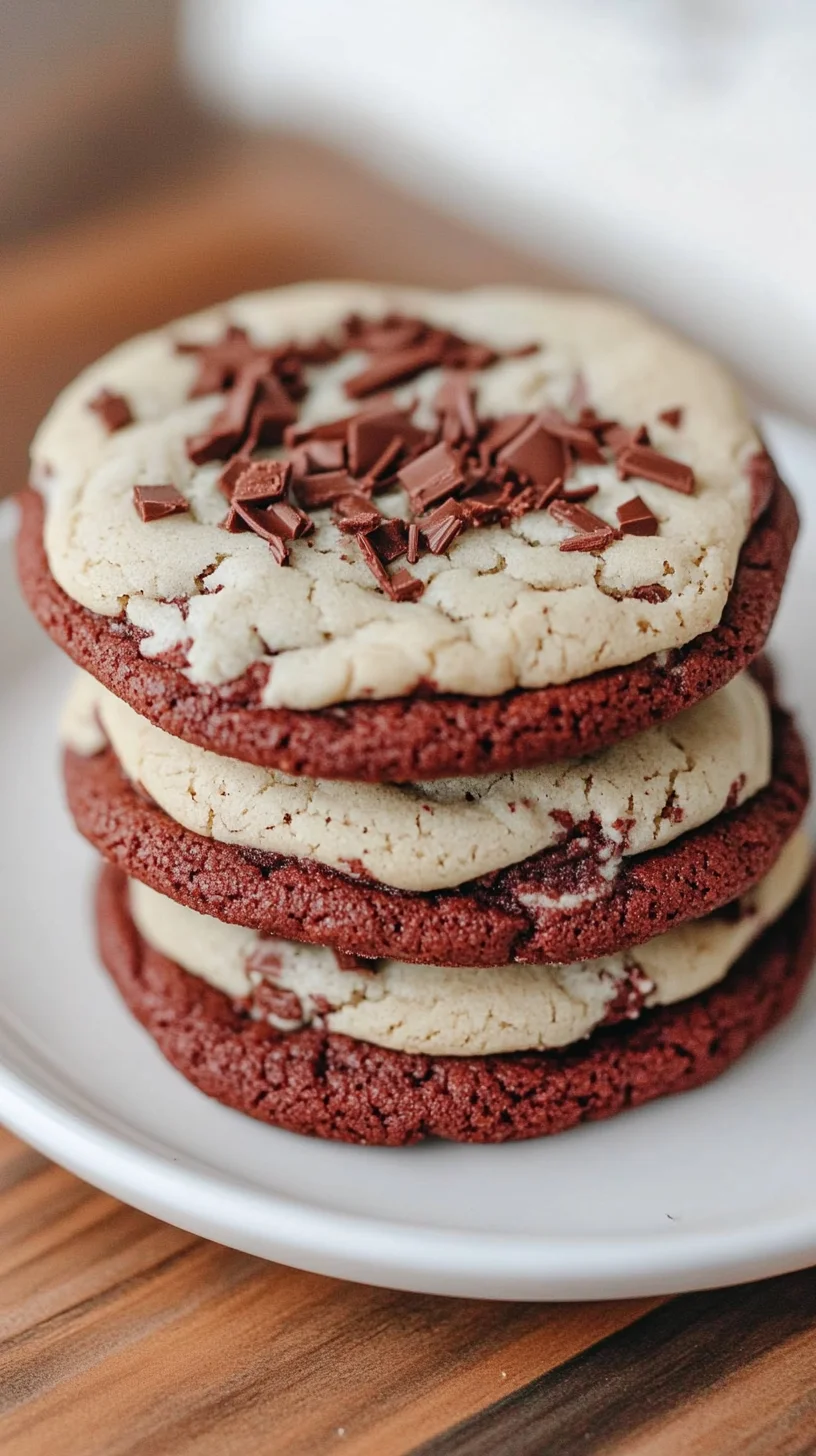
[537,456]
[369,554]
[361,522]
[396,368]
[264,525]
[220,363]
[413,544]
[389,539]
[672,417]
[324,455]
[154,502]
[355,512]
[271,413]
[442,527]
[259,482]
[461,354]
[369,438]
[579,437]
[432,476]
[636,519]
[649,464]
[403,587]
[589,541]
[652,592]
[455,402]
[618,437]
[316,491]
[229,427]
[594,532]
[288,521]
[762,478]
[499,434]
[112,409]
[579,493]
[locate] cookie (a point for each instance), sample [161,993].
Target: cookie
[384,534]
[556,907]
[328,1085]
[636,796]
[471,1011]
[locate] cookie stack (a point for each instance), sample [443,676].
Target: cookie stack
[420,727]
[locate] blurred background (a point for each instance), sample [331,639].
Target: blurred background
[155,156]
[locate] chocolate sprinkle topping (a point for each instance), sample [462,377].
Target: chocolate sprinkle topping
[432,476]
[154,502]
[112,409]
[649,464]
[636,519]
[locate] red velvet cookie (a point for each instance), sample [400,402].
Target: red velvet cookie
[333,1087]
[486,922]
[421,737]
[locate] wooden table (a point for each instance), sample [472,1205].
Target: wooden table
[121,1336]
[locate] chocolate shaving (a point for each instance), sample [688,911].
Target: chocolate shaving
[594,533]
[672,417]
[229,427]
[579,437]
[579,493]
[154,502]
[396,368]
[589,541]
[537,456]
[220,363]
[618,437]
[442,527]
[455,402]
[264,525]
[316,491]
[258,482]
[324,455]
[652,592]
[500,433]
[636,519]
[432,476]
[272,412]
[403,587]
[288,521]
[389,539]
[112,409]
[649,464]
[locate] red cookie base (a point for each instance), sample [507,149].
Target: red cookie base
[329,1086]
[402,740]
[484,923]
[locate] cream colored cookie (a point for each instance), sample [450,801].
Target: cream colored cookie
[462,1012]
[640,794]
[503,608]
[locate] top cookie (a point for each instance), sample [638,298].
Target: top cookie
[580,484]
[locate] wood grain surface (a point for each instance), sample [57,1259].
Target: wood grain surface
[122,1336]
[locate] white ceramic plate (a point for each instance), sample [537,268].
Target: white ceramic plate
[713,1187]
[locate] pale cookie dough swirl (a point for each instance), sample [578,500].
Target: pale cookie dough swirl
[502,608]
[467,1012]
[634,797]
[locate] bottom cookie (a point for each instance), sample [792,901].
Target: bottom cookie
[330,1086]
